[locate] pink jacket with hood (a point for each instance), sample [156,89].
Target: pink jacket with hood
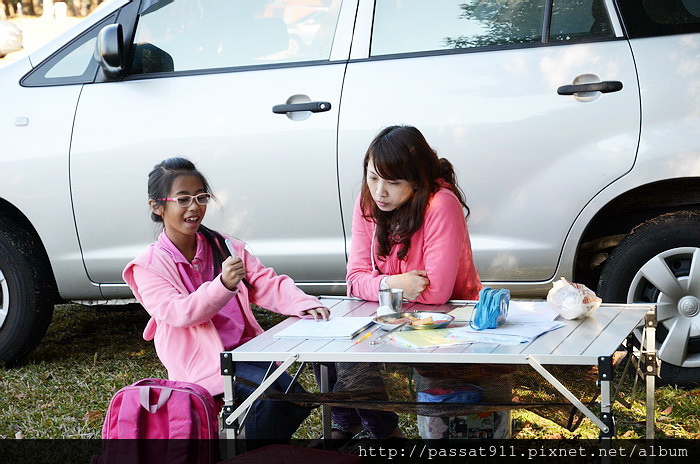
[441,247]
[185,338]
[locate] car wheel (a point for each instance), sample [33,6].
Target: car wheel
[26,298]
[659,262]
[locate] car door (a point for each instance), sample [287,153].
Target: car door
[480,79]
[202,81]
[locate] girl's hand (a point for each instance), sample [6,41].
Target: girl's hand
[321,312]
[412,283]
[232,272]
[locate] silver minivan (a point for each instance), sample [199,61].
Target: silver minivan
[574,126]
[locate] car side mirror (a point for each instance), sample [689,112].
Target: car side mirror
[109,50]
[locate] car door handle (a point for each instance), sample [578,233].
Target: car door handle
[314,107]
[604,87]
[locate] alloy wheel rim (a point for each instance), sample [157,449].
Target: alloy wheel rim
[4,299]
[671,280]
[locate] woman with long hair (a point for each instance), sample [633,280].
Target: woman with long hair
[409,231]
[409,227]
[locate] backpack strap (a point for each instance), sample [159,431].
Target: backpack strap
[144,398]
[135,402]
[180,418]
[129,423]
[180,429]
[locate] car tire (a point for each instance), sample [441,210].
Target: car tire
[659,262]
[26,296]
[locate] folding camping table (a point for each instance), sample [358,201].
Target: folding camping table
[590,342]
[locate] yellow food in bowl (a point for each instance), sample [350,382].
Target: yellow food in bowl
[425,321]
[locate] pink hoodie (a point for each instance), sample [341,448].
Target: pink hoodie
[441,247]
[185,338]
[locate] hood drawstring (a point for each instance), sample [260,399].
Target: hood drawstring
[371,247]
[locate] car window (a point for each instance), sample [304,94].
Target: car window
[648,18]
[72,64]
[184,35]
[579,20]
[75,63]
[406,26]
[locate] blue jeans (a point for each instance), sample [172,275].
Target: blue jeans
[272,420]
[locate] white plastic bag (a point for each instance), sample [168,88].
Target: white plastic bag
[384,310]
[572,301]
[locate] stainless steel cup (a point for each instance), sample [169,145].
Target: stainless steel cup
[392,297]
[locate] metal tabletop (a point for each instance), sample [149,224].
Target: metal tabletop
[579,342]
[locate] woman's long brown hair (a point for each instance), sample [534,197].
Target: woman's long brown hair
[402,153]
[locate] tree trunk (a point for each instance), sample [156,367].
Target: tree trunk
[10,8]
[28,7]
[71,7]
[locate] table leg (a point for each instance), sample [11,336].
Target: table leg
[532,361]
[605,380]
[650,364]
[260,390]
[325,409]
[228,434]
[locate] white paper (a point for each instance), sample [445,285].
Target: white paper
[508,333]
[530,311]
[476,337]
[518,311]
[334,327]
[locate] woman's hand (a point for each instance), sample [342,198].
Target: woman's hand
[412,283]
[232,272]
[321,312]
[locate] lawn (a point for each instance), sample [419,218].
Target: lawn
[63,389]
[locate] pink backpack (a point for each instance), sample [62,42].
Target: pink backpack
[180,412]
[156,408]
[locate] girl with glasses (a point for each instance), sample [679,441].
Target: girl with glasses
[199,296]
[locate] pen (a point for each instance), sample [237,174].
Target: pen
[234,255]
[365,336]
[390,331]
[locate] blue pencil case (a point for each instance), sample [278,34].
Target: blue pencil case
[471,395]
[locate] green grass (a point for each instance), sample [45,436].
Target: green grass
[63,388]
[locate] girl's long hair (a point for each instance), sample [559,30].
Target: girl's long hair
[401,152]
[160,181]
